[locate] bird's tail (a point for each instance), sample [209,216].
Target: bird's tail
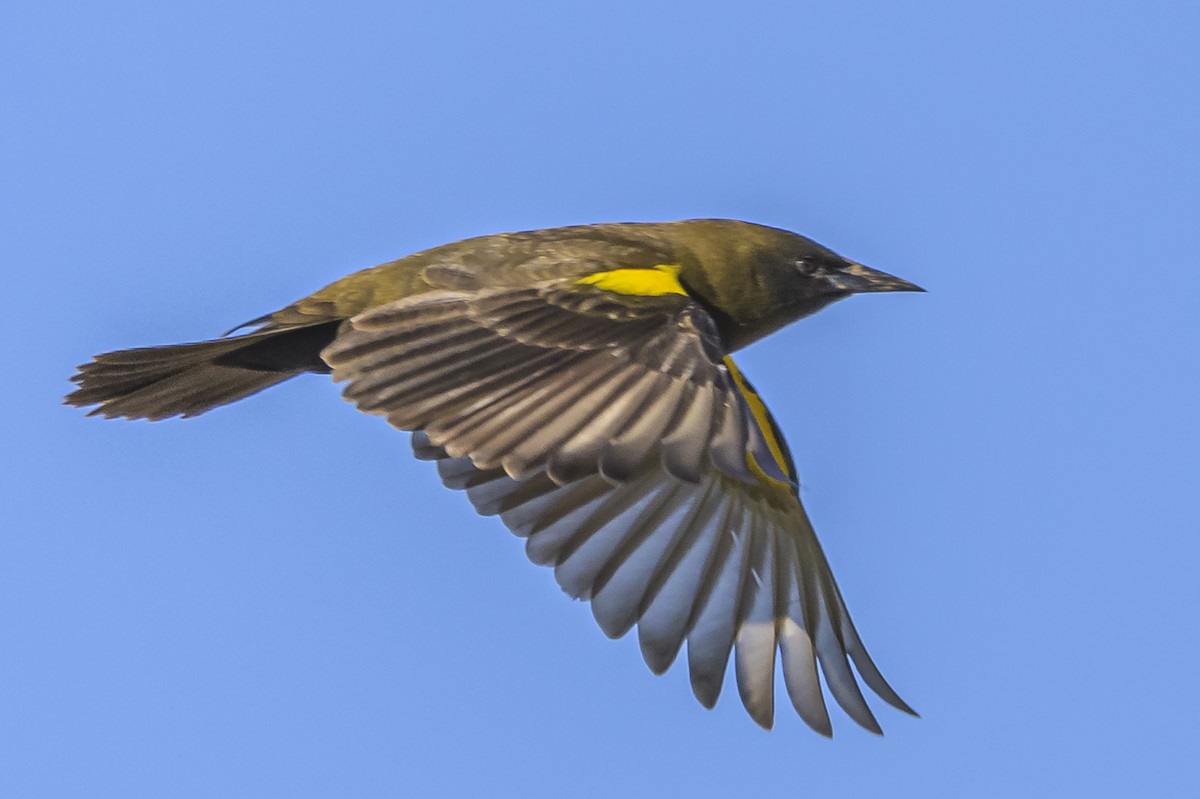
[189,379]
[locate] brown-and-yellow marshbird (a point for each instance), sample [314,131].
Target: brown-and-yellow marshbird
[578,383]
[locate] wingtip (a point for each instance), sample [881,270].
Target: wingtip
[822,727]
[658,662]
[707,692]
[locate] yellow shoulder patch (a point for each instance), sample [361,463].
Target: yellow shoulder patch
[762,417]
[653,282]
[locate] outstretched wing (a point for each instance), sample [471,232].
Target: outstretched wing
[725,564]
[573,377]
[601,420]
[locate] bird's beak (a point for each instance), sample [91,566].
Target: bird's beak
[858,279]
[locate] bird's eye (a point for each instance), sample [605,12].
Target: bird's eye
[807,268]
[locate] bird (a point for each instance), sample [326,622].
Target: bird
[578,382]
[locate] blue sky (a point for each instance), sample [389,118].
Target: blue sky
[277,600]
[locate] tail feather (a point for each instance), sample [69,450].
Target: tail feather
[189,379]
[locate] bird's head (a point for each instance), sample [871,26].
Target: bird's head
[804,276]
[759,278]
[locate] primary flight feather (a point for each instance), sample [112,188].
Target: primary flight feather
[577,382]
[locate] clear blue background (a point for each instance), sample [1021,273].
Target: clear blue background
[277,600]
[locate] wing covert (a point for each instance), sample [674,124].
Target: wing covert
[565,376]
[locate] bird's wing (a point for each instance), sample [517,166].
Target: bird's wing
[569,376]
[609,429]
[725,564]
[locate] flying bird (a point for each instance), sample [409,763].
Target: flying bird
[578,383]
